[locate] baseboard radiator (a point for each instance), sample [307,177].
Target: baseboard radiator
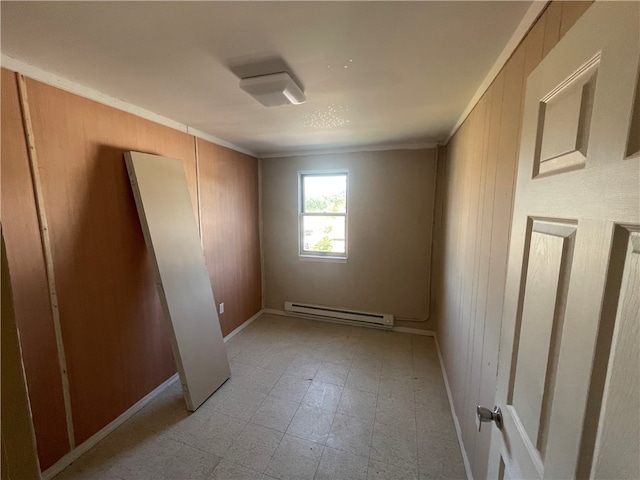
[340,314]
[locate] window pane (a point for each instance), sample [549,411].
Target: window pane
[324,234]
[325,193]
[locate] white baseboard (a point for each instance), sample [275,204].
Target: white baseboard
[465,458]
[414,331]
[74,454]
[243,326]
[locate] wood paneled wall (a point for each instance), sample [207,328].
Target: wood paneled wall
[17,441]
[30,289]
[116,344]
[476,190]
[110,315]
[230,230]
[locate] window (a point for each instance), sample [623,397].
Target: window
[323,214]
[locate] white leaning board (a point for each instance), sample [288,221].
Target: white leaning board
[171,233]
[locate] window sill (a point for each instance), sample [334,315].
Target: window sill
[322,258]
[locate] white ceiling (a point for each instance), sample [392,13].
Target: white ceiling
[375,73]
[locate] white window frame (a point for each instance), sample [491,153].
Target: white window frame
[312,255]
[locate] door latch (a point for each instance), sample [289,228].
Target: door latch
[486,415]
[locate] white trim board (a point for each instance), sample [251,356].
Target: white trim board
[456,423]
[242,326]
[414,331]
[74,454]
[521,31]
[263,275]
[46,250]
[62,83]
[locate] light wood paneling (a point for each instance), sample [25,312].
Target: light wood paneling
[534,45]
[553,16]
[19,456]
[470,226]
[29,279]
[618,438]
[486,329]
[116,344]
[476,184]
[230,234]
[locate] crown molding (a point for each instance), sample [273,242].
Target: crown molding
[535,10]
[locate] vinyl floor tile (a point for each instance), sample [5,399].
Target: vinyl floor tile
[311,423]
[254,447]
[295,459]
[275,413]
[341,465]
[306,400]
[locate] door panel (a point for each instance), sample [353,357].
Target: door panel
[616,450]
[170,231]
[565,121]
[572,264]
[549,264]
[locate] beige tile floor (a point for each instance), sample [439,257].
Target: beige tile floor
[306,400]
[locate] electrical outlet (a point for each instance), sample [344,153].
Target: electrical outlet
[221,308]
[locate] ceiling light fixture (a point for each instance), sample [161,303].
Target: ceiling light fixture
[274,89]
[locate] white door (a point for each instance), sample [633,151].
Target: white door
[568,377]
[170,231]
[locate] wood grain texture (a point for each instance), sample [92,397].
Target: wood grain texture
[470,255]
[46,249]
[230,232]
[29,282]
[116,343]
[20,459]
[610,28]
[481,228]
[619,438]
[539,320]
[534,45]
[486,367]
[472,237]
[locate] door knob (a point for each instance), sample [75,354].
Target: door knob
[486,415]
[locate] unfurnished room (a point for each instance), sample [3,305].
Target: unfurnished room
[320,240]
